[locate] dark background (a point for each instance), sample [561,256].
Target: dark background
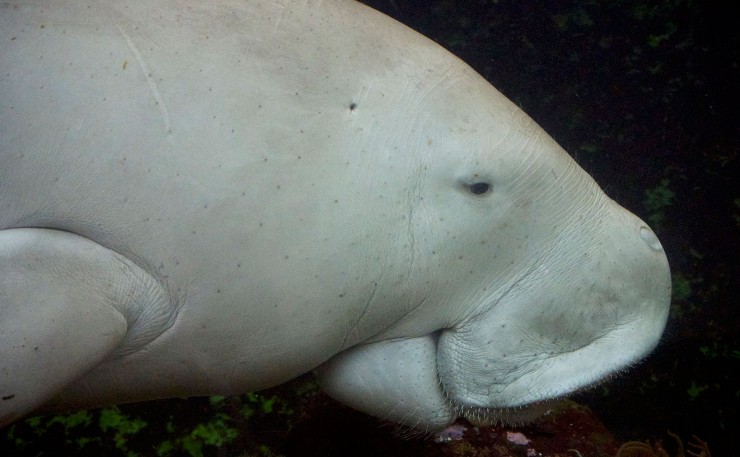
[645,98]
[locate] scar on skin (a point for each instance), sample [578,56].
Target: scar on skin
[152,84]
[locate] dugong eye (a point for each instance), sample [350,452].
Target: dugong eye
[480,188]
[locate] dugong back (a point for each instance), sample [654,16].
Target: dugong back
[172,169]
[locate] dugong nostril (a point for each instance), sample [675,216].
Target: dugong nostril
[649,237]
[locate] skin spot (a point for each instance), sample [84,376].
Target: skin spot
[352,106]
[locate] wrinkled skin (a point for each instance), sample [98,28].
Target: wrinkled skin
[215,197]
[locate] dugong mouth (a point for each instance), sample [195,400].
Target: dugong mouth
[398,380]
[510,409]
[516,415]
[486,384]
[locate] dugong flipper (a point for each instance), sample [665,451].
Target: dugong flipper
[93,311]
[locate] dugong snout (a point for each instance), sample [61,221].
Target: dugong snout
[597,308]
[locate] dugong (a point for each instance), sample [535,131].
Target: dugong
[215,197]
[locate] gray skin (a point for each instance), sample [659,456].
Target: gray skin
[216,197]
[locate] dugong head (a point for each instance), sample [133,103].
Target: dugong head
[536,282]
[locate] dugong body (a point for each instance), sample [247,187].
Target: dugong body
[215,197]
